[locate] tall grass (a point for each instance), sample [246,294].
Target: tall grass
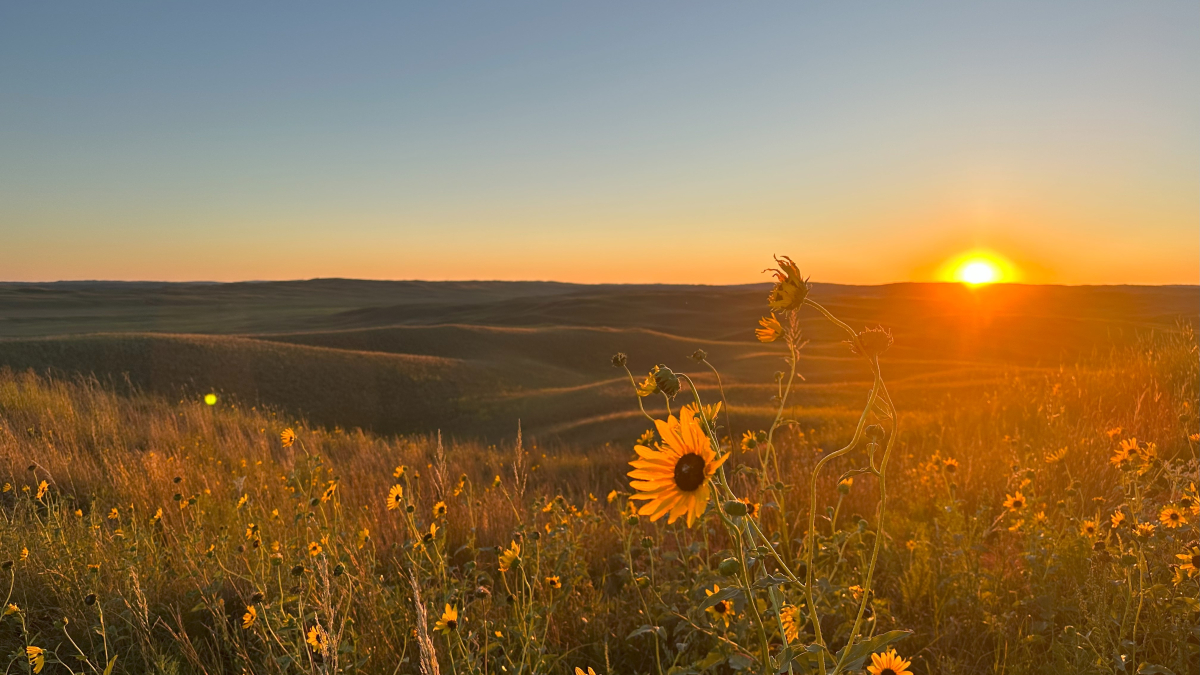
[299,544]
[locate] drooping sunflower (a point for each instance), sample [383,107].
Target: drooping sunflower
[790,287]
[673,480]
[37,658]
[287,437]
[510,556]
[1172,517]
[1191,561]
[249,617]
[888,663]
[722,610]
[792,619]
[1014,502]
[770,331]
[43,487]
[395,497]
[449,621]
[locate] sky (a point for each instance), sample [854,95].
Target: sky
[668,142]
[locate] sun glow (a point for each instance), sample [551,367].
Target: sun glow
[978,268]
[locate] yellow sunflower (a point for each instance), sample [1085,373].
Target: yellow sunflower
[1171,517]
[314,549]
[950,465]
[554,582]
[249,617]
[439,509]
[287,437]
[1014,502]
[318,639]
[770,331]
[792,619]
[673,480]
[449,621]
[721,611]
[37,658]
[1191,561]
[749,441]
[510,556]
[1117,518]
[790,287]
[580,671]
[1144,529]
[1088,528]
[395,497]
[888,663]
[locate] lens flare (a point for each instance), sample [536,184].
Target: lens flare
[210,399]
[978,268]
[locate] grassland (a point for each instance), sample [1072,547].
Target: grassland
[173,536]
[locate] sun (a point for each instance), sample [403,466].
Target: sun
[978,268]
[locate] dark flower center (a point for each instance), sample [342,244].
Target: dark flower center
[689,472]
[887,671]
[452,624]
[1196,561]
[1173,516]
[719,608]
[1017,503]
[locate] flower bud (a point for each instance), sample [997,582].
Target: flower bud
[699,356]
[734,508]
[619,360]
[666,380]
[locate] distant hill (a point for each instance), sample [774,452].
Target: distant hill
[471,358]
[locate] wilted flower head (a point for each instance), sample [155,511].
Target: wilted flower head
[287,437]
[871,342]
[790,287]
[769,329]
[619,360]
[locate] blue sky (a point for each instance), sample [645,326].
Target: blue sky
[598,141]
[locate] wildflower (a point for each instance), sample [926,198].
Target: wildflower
[722,610]
[395,497]
[1014,502]
[1191,561]
[1056,456]
[790,287]
[449,621]
[871,342]
[496,481]
[439,509]
[314,549]
[11,609]
[612,496]
[249,617]
[646,438]
[251,531]
[707,414]
[24,555]
[1117,518]
[770,330]
[37,658]
[1144,530]
[578,670]
[41,490]
[749,441]
[665,380]
[433,530]
[888,663]
[242,501]
[648,386]
[287,437]
[554,582]
[856,592]
[1040,518]
[950,465]
[317,639]
[328,494]
[1172,517]
[1194,437]
[1194,500]
[157,517]
[619,360]
[1088,528]
[792,619]
[673,480]
[1114,432]
[510,556]
[844,485]
[398,472]
[751,508]
[8,487]
[1016,527]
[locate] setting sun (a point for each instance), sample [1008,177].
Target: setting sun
[979,267]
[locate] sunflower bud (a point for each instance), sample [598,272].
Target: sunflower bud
[619,360]
[297,570]
[790,287]
[699,356]
[874,433]
[871,342]
[257,597]
[729,567]
[734,508]
[89,599]
[666,380]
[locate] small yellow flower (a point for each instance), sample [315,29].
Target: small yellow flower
[950,465]
[578,670]
[752,508]
[1114,432]
[157,516]
[8,487]
[612,496]
[11,609]
[314,549]
[399,471]
[395,497]
[41,490]
[249,617]
[1056,456]
[1190,558]
[1088,528]
[792,619]
[1172,517]
[769,329]
[439,509]
[242,501]
[287,437]
[1015,502]
[317,639]
[749,441]
[510,556]
[888,663]
[37,658]
[24,553]
[1145,529]
[328,494]
[554,583]
[1016,527]
[1040,518]
[449,621]
[1117,518]
[722,610]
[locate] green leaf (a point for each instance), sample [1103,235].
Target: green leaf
[770,580]
[1148,669]
[860,652]
[723,594]
[643,630]
[111,662]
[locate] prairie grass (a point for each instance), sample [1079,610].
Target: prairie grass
[147,535]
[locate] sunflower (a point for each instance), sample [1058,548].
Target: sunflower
[950,465]
[722,610]
[398,472]
[37,658]
[770,331]
[673,480]
[1056,456]
[1088,528]
[792,619]
[1144,529]
[751,508]
[1191,561]
[439,509]
[1172,517]
[113,514]
[554,582]
[328,494]
[510,556]
[11,609]
[395,497]
[1040,517]
[580,671]
[42,488]
[888,663]
[249,617]
[287,437]
[749,441]
[449,621]
[314,549]
[1014,502]
[790,287]
[318,639]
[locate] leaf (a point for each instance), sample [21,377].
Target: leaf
[1148,669]
[111,662]
[740,662]
[723,594]
[860,652]
[768,581]
[643,630]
